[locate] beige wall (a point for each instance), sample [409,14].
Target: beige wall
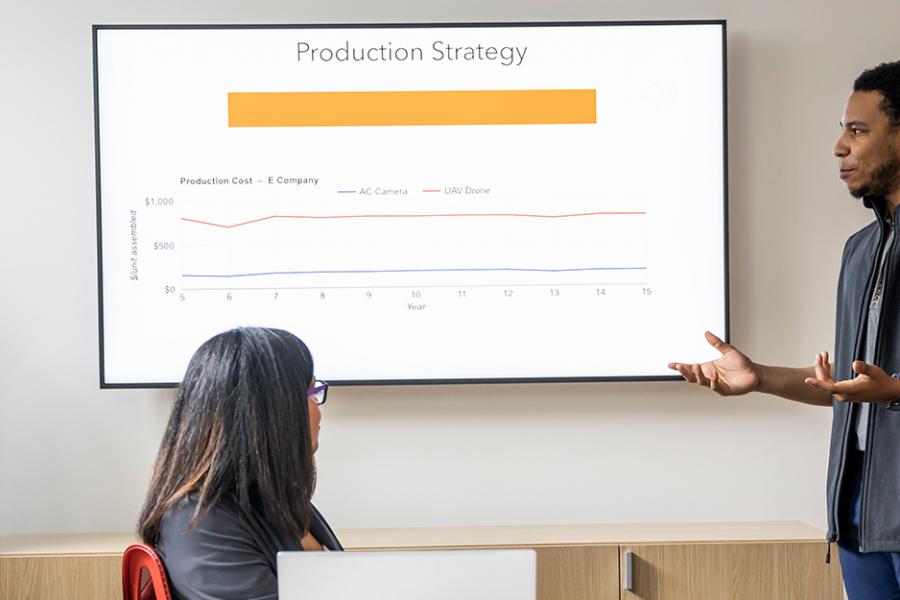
[74,458]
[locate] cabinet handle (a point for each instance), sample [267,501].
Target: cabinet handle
[629,571]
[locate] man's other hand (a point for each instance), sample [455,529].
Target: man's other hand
[871,383]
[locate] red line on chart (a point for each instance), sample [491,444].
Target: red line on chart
[409,216]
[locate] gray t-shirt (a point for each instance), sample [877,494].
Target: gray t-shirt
[871,338]
[229,555]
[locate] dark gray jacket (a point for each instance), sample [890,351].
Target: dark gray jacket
[230,555]
[880,490]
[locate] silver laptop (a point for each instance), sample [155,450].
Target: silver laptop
[407,575]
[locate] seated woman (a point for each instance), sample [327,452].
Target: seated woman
[235,474]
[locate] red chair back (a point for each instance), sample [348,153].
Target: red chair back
[143,574]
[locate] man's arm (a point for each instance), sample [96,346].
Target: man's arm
[790,383]
[734,374]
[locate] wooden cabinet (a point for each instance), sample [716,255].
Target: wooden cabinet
[39,567]
[61,576]
[725,561]
[775,571]
[578,573]
[678,561]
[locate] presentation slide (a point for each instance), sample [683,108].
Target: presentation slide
[429,203]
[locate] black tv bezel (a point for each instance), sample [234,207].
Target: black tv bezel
[398,382]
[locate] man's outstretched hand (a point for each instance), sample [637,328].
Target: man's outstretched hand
[732,374]
[871,383]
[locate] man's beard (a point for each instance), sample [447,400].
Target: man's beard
[884,181]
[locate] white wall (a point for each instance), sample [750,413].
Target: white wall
[74,458]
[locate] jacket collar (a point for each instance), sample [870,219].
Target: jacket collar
[877,204]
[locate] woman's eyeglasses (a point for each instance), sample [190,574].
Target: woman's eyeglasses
[318,392]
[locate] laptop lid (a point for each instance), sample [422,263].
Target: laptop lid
[408,575]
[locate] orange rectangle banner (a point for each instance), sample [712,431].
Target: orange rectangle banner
[355,109]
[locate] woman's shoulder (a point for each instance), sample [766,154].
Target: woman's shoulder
[184,532]
[182,518]
[195,550]
[224,522]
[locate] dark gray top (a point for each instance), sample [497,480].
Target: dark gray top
[230,555]
[871,338]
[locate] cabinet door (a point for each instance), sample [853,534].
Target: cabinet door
[578,573]
[748,571]
[97,577]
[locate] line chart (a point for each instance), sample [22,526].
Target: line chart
[414,216]
[501,247]
[412,248]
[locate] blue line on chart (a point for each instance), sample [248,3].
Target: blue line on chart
[364,271]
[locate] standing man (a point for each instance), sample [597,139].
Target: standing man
[863,388]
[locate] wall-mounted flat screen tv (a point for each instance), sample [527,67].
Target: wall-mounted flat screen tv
[428,203]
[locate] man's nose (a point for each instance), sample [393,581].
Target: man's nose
[841,149]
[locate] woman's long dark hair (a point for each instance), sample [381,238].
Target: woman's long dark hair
[239,433]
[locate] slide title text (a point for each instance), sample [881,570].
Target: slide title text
[507,56]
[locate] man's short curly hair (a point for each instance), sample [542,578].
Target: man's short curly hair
[885,78]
